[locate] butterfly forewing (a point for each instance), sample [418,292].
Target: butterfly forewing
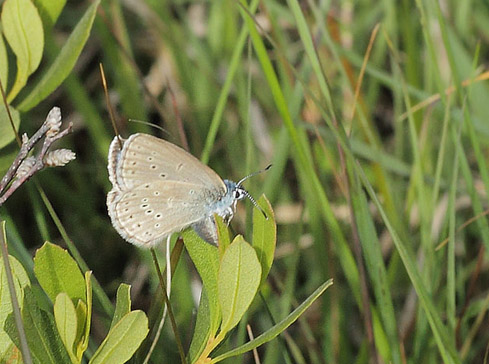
[147,158]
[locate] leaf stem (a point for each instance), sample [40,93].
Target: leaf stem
[170,310]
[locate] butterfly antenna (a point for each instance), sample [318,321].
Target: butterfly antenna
[254,203]
[149,124]
[253,174]
[246,192]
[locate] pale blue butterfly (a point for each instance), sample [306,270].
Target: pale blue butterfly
[159,189]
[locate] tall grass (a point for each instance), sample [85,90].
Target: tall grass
[365,184]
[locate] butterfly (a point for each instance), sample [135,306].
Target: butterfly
[159,189]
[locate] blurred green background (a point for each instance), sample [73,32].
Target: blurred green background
[294,84]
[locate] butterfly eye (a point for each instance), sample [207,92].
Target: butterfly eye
[238,194]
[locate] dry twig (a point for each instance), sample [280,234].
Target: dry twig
[24,167]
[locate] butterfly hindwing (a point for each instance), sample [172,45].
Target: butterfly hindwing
[147,214]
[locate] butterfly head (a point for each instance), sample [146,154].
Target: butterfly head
[235,192]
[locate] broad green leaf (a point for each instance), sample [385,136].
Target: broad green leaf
[83,340]
[238,281]
[3,63]
[202,328]
[264,236]
[123,339]
[57,272]
[21,280]
[222,233]
[82,318]
[66,322]
[6,132]
[206,260]
[49,11]
[278,328]
[64,63]
[23,30]
[20,275]
[44,342]
[123,303]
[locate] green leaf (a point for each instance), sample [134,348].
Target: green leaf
[202,328]
[23,30]
[3,63]
[49,11]
[123,339]
[206,260]
[222,233]
[123,303]
[6,132]
[118,57]
[278,328]
[64,63]
[19,272]
[7,156]
[43,339]
[12,355]
[21,281]
[238,281]
[66,322]
[264,236]
[83,320]
[57,272]
[82,340]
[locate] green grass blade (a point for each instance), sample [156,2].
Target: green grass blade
[278,328]
[304,163]
[447,351]
[375,265]
[223,96]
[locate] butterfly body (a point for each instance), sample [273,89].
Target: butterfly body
[159,189]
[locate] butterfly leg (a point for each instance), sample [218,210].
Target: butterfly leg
[207,230]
